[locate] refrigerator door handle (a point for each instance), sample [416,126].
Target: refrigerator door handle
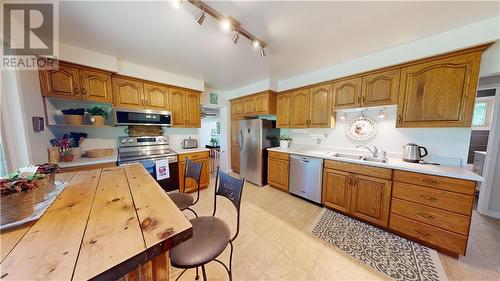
[241,140]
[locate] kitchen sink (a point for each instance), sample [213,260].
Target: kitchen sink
[348,156]
[371,159]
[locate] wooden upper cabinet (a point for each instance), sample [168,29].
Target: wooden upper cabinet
[299,109]
[235,131]
[96,86]
[283,111]
[337,190]
[236,108]
[128,93]
[347,93]
[261,104]
[381,88]
[192,110]
[248,106]
[370,199]
[60,83]
[156,97]
[177,103]
[320,109]
[439,93]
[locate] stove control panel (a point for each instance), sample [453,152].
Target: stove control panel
[142,141]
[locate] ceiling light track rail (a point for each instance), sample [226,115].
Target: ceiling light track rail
[235,25]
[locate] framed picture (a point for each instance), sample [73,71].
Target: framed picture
[214,99]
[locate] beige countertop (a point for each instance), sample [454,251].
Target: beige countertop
[393,163]
[85,161]
[181,150]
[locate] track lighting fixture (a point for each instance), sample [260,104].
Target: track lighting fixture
[201,17]
[236,37]
[176,3]
[225,25]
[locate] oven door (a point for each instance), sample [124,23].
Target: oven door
[169,184]
[143,117]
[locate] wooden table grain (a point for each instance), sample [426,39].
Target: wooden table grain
[106,224]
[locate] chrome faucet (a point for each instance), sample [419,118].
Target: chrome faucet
[374,151]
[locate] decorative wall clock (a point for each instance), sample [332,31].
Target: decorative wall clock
[361,128]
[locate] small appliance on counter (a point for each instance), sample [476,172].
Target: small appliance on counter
[189,143]
[414,153]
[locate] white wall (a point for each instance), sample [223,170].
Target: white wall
[103,61]
[490,63]
[205,131]
[260,86]
[446,145]
[466,36]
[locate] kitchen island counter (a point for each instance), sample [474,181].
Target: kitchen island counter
[106,223]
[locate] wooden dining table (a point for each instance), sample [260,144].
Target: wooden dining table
[107,224]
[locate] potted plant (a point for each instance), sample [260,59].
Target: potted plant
[73,116]
[285,141]
[97,115]
[214,141]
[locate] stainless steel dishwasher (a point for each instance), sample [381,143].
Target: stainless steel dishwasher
[306,175]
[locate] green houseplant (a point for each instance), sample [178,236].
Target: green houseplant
[97,115]
[285,141]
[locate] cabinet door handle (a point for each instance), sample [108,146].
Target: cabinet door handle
[84,93]
[399,118]
[76,91]
[142,101]
[427,197]
[424,215]
[428,180]
[359,99]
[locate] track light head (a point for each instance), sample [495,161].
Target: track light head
[225,25]
[262,52]
[236,37]
[255,43]
[176,3]
[201,17]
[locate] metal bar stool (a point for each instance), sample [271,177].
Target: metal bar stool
[211,235]
[182,200]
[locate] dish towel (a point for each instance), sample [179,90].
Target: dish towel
[162,170]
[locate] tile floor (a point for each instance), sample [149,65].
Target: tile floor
[274,243]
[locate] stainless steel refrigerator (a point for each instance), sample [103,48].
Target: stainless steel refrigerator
[255,137]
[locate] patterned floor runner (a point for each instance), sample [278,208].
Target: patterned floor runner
[394,256]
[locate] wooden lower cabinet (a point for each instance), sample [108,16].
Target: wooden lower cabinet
[337,189]
[278,170]
[370,199]
[198,157]
[235,157]
[433,210]
[365,196]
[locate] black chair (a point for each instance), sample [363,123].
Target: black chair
[211,235]
[182,200]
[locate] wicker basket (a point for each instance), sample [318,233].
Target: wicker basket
[96,153]
[40,190]
[16,206]
[97,120]
[73,119]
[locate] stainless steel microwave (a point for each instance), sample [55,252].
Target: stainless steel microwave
[143,117]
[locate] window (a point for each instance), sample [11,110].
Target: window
[479,115]
[2,162]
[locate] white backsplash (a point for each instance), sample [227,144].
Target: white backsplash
[448,146]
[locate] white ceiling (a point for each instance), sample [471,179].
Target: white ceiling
[301,36]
